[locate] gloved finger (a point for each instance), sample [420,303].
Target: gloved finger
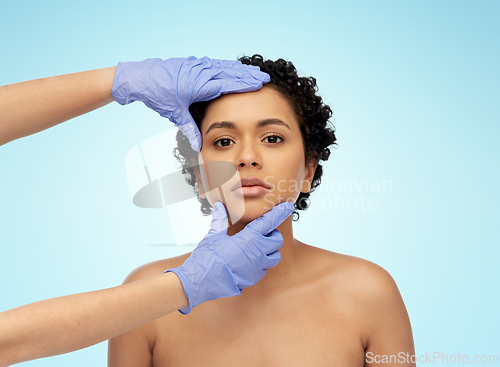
[214,88]
[211,83]
[247,280]
[190,130]
[209,90]
[204,73]
[240,86]
[272,260]
[227,63]
[258,74]
[214,69]
[219,220]
[259,247]
[271,219]
[271,243]
[244,72]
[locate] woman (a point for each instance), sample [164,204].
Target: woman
[316,307]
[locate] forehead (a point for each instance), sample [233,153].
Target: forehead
[245,109]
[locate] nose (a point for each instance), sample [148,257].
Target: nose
[248,156]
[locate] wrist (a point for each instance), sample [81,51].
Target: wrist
[186,305]
[107,80]
[117,91]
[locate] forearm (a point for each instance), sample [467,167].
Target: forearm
[29,107]
[69,323]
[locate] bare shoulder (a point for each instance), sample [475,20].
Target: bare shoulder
[368,293]
[364,288]
[352,272]
[155,268]
[361,276]
[364,275]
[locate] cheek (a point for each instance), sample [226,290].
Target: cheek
[294,168]
[287,179]
[216,181]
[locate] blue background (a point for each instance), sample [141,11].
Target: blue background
[414,87]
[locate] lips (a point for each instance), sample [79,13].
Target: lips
[249,181]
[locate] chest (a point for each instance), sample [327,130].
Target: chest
[282,333]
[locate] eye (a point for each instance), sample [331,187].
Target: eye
[224,142]
[273,139]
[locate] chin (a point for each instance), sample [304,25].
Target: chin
[248,218]
[254,210]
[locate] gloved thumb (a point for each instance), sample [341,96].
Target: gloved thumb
[219,220]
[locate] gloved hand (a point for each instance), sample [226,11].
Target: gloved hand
[222,265]
[170,86]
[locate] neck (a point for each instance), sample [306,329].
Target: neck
[283,273]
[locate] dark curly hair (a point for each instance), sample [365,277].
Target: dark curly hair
[313,116]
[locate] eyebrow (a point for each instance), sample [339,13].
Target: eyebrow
[231,125]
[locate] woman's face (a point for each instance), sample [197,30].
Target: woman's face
[259,133]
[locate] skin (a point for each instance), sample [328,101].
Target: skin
[35,105]
[315,307]
[64,324]
[273,152]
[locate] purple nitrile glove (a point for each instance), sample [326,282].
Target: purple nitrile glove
[222,265]
[170,86]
